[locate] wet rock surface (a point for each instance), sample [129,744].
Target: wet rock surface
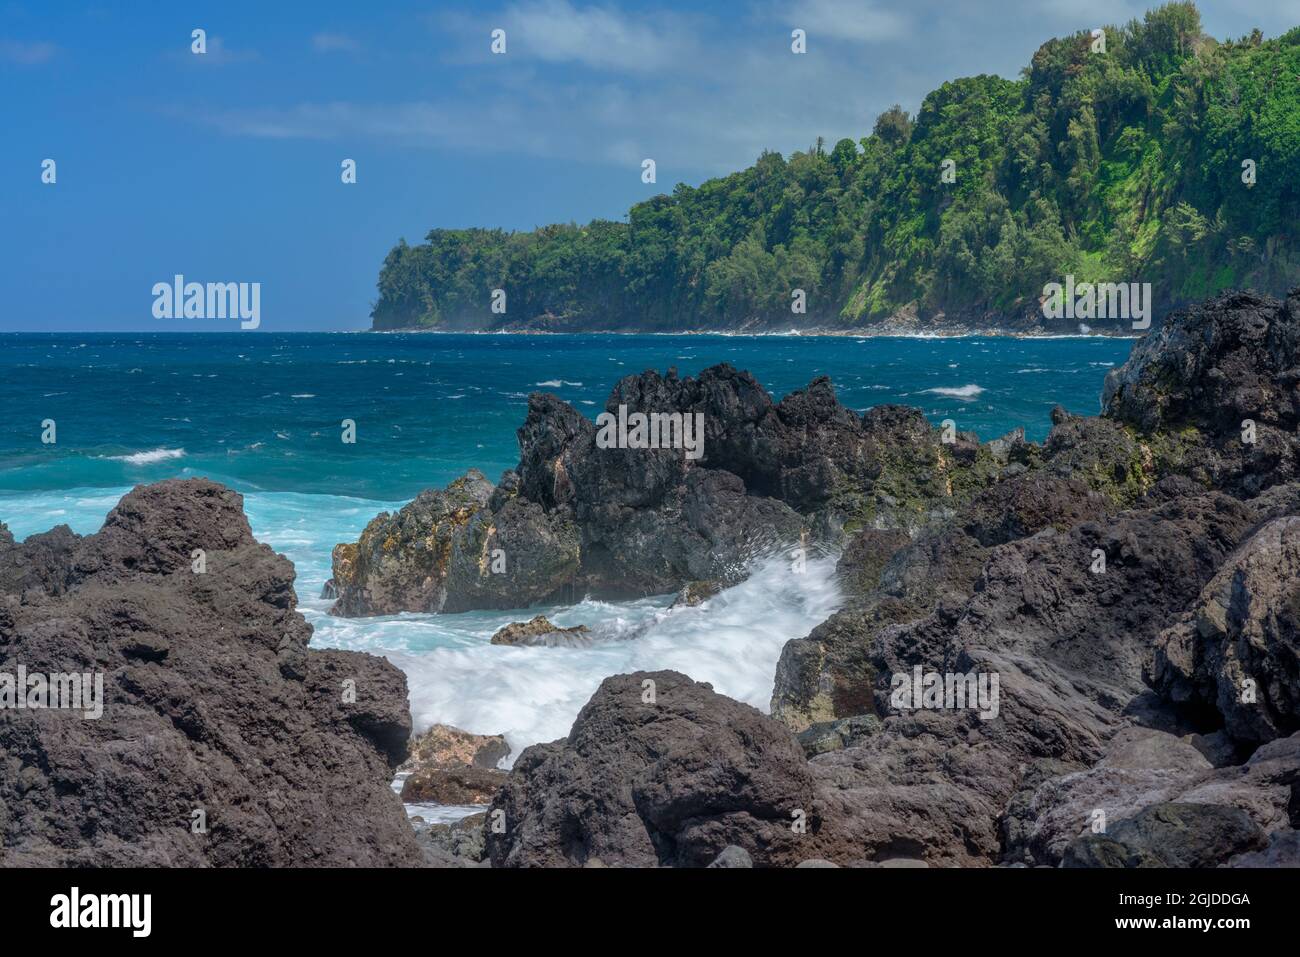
[443,746]
[1123,600]
[538,631]
[457,786]
[574,518]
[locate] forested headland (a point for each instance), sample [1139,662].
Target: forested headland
[1167,157]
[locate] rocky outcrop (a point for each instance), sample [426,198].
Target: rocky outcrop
[452,785]
[1237,651]
[443,746]
[1141,767]
[458,844]
[1216,387]
[892,581]
[447,551]
[694,594]
[450,766]
[616,522]
[1028,504]
[657,769]
[1170,835]
[1067,645]
[224,740]
[537,631]
[1121,601]
[41,564]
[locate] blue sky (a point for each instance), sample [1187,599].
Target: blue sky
[226,166]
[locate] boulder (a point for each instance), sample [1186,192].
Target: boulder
[400,563]
[1141,767]
[657,770]
[443,746]
[1236,651]
[537,631]
[224,740]
[733,856]
[696,593]
[1170,835]
[452,785]
[458,844]
[1211,370]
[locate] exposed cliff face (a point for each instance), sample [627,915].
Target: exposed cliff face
[224,740]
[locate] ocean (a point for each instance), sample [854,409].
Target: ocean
[262,413]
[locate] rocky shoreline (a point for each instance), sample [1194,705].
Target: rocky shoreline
[1130,589]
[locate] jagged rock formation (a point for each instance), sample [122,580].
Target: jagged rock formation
[437,554]
[1237,649]
[574,518]
[224,740]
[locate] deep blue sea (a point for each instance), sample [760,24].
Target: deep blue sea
[262,412]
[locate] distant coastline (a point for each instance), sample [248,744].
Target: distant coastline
[957,333]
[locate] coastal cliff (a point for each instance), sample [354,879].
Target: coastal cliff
[1159,158]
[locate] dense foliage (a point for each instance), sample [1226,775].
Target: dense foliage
[1124,165]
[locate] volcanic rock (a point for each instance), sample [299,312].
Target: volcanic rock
[1170,835]
[657,769]
[443,746]
[453,785]
[1237,649]
[536,631]
[224,740]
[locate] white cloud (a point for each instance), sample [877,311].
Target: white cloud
[595,36]
[689,122]
[858,21]
[558,32]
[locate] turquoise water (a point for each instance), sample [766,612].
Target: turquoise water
[262,414]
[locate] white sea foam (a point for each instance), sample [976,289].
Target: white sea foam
[148,458]
[531,694]
[957,392]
